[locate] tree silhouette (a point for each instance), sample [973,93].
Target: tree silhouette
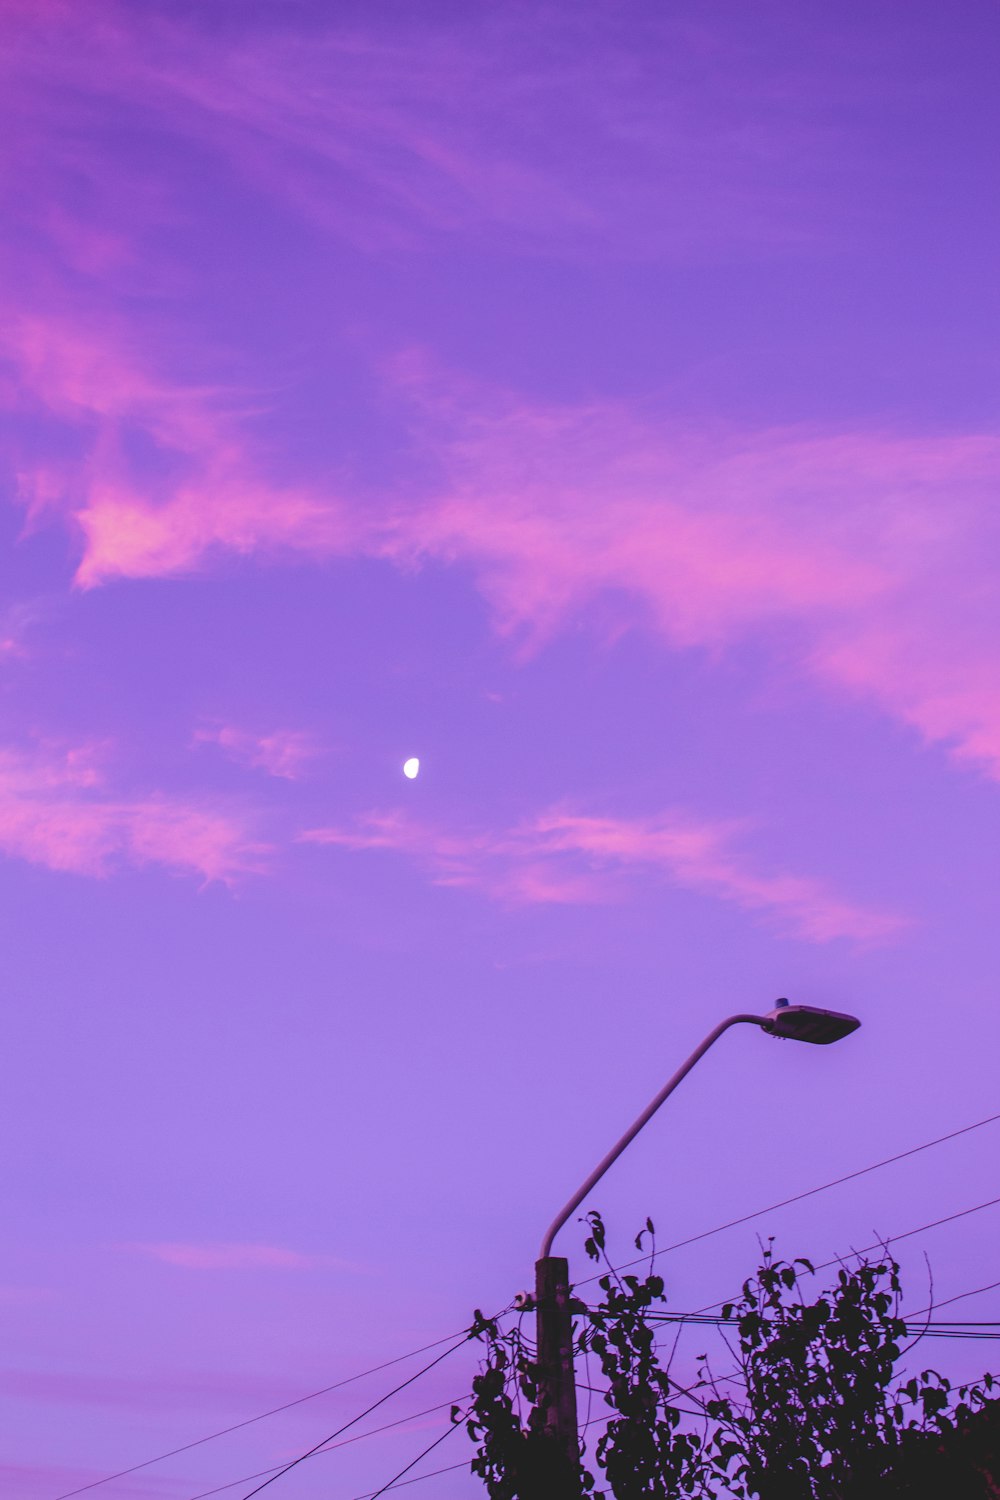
[810,1406]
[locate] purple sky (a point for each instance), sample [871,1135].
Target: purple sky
[600,404]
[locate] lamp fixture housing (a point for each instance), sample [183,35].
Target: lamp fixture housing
[807,1023]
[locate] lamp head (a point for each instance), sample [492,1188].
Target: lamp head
[807,1023]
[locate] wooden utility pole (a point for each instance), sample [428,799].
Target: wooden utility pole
[556,1409]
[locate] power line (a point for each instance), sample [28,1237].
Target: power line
[945,1330]
[330,1436]
[330,1447]
[891,1239]
[809,1193]
[449,1469]
[358,1438]
[958,1333]
[989,1287]
[907,1234]
[599,1390]
[395,1484]
[454,1426]
[372,1432]
[679,1244]
[931,1330]
[249,1421]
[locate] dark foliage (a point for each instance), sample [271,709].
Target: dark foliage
[809,1408]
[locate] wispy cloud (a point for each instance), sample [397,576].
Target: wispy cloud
[153,1392]
[225,1256]
[566,857]
[871,552]
[707,857]
[285,753]
[561,130]
[868,558]
[200,490]
[17,621]
[56,810]
[38,1481]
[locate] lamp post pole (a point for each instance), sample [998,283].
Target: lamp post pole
[555,1413]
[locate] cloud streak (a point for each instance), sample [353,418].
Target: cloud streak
[149,1393]
[284,753]
[56,811]
[565,857]
[226,1256]
[867,559]
[200,489]
[564,132]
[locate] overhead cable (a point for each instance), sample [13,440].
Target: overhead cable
[907,1234]
[360,1416]
[890,1239]
[449,1469]
[961,1296]
[331,1448]
[260,1417]
[393,1482]
[398,1484]
[809,1193]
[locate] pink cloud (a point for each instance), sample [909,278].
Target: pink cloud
[40,1481]
[501,864]
[283,752]
[710,533]
[204,494]
[868,557]
[232,1257]
[127,537]
[56,811]
[562,132]
[16,623]
[702,856]
[937,670]
[565,857]
[450,854]
[150,1393]
[870,553]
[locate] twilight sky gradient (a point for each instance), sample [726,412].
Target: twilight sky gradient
[601,404]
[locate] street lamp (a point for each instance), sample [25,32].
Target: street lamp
[556,1386]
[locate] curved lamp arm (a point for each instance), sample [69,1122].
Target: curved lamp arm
[766,1022]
